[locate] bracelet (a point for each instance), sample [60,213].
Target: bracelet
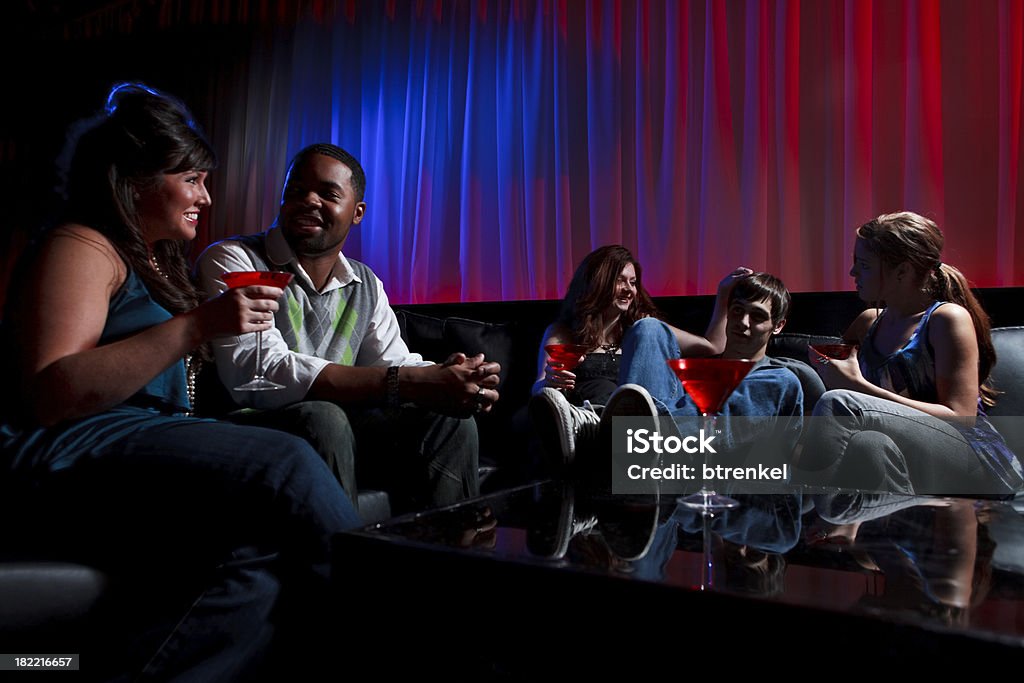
[392,388]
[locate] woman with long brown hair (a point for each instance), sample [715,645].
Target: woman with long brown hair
[605,297]
[907,409]
[99,452]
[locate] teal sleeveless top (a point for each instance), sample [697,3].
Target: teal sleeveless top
[163,400]
[910,372]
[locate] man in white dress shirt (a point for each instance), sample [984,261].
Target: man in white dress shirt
[375,411]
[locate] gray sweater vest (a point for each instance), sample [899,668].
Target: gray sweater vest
[329,325]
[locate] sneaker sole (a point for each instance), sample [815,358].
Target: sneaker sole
[549,421]
[630,400]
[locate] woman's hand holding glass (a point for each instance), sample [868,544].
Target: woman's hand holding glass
[561,359]
[241,279]
[836,372]
[239,311]
[557,377]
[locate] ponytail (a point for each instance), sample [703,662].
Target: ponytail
[949,284]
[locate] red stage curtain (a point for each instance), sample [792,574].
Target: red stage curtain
[503,140]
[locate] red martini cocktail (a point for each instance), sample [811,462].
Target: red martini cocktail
[709,382]
[248,278]
[566,356]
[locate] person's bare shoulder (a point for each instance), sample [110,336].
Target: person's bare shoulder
[557,333]
[952,321]
[79,246]
[858,329]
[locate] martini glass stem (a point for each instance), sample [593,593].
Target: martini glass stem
[709,429]
[707,566]
[707,499]
[259,355]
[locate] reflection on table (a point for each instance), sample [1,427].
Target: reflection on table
[936,562]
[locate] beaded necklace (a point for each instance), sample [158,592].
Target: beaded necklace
[191,362]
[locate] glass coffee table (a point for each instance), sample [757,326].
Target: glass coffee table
[501,586]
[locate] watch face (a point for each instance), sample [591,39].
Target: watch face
[392,387]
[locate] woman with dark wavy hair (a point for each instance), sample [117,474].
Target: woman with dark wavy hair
[906,410]
[100,451]
[605,297]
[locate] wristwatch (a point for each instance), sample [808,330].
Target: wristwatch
[392,388]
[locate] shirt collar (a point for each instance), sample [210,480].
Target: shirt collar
[280,253]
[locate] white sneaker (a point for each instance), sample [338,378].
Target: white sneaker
[629,400]
[561,425]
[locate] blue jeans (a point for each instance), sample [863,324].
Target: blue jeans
[203,524]
[646,348]
[765,395]
[865,443]
[422,459]
[766,523]
[323,425]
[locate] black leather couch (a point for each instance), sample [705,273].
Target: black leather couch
[51,604]
[510,332]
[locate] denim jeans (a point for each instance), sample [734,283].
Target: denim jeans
[323,425]
[765,523]
[766,393]
[203,523]
[861,442]
[422,459]
[646,348]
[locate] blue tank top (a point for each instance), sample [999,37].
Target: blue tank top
[910,372]
[131,310]
[163,400]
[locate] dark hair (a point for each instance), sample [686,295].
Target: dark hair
[592,290]
[906,237]
[751,571]
[763,287]
[141,135]
[358,175]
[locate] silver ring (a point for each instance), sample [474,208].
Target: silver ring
[823,361]
[479,390]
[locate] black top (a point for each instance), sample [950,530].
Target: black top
[596,378]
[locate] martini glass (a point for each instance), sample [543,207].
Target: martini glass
[837,351]
[709,382]
[247,278]
[565,356]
